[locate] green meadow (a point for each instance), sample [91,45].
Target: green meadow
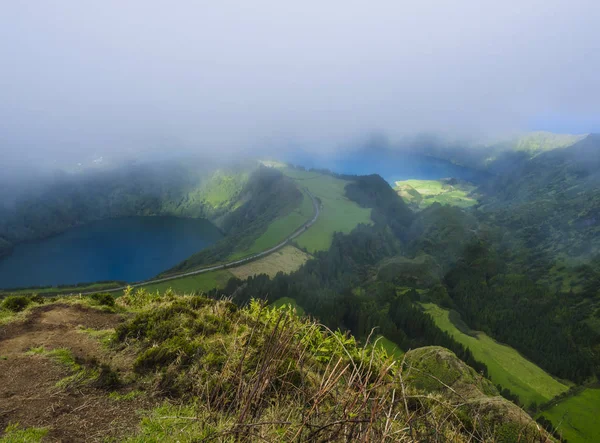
[338,213]
[423,193]
[577,418]
[200,282]
[63,289]
[283,227]
[505,365]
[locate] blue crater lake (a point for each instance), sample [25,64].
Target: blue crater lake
[391,165]
[129,249]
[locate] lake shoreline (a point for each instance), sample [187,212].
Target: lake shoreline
[82,248]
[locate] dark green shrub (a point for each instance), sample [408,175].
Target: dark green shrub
[159,325]
[103,299]
[108,378]
[176,348]
[198,302]
[15,303]
[37,298]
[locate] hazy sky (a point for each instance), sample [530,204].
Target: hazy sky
[86,78]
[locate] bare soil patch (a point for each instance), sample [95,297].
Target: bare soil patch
[287,260]
[29,394]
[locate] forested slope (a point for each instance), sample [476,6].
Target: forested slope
[186,189]
[267,195]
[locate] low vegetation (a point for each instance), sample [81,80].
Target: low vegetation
[261,373]
[199,369]
[16,434]
[63,289]
[290,302]
[193,283]
[16,306]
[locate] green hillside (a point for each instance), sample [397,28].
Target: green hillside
[187,188]
[506,366]
[420,194]
[540,141]
[576,417]
[269,206]
[281,228]
[193,283]
[338,213]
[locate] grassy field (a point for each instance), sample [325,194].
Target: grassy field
[66,289]
[288,301]
[288,259]
[577,417]
[283,227]
[200,282]
[420,194]
[338,213]
[222,187]
[506,366]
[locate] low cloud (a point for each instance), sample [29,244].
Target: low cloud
[87,79]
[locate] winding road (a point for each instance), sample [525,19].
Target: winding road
[298,232]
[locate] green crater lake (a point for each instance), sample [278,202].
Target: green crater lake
[128,249]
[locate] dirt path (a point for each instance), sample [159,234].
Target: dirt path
[29,394]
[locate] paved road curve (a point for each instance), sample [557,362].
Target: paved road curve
[224,265]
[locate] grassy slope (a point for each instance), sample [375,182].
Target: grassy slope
[63,289]
[338,213]
[200,282]
[505,365]
[423,193]
[577,417]
[287,259]
[281,228]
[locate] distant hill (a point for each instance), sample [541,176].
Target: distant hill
[241,199]
[555,196]
[189,189]
[496,156]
